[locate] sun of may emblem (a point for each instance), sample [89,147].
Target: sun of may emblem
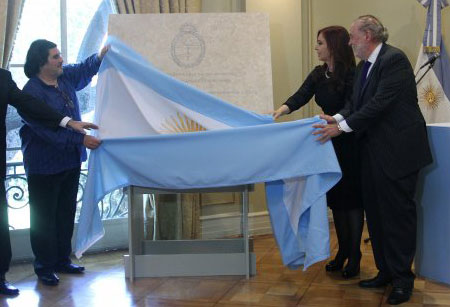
[430,96]
[180,124]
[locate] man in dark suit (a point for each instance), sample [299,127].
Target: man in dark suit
[393,146]
[31,109]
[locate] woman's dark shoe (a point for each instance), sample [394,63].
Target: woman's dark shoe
[335,265]
[350,272]
[353,267]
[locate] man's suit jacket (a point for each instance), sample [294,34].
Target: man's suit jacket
[386,116]
[27,106]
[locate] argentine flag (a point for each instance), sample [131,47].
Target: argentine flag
[160,132]
[433,90]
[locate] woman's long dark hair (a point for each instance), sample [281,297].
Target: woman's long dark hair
[341,53]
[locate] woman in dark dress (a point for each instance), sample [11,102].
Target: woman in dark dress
[331,84]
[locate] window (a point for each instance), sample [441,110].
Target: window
[78,27]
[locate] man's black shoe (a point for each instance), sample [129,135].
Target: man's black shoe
[70,269]
[7,289]
[49,279]
[376,282]
[399,295]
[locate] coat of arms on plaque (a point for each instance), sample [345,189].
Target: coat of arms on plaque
[188,47]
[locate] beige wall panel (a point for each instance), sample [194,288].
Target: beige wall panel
[286,44]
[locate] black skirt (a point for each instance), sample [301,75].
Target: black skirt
[346,194]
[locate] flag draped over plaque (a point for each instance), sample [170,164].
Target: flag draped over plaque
[163,133]
[434,89]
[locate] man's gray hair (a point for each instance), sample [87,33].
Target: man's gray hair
[373,25]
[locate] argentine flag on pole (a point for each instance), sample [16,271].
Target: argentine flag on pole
[162,133]
[433,89]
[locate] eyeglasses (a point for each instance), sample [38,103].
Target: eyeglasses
[69,102]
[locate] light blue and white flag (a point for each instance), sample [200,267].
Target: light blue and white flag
[143,114]
[434,89]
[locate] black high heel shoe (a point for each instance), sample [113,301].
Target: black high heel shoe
[351,270]
[335,265]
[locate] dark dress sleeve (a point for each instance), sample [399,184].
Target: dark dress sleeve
[303,94]
[31,108]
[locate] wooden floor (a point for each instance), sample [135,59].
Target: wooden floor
[104,284]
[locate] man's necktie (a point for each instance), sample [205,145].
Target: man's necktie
[364,71]
[363,79]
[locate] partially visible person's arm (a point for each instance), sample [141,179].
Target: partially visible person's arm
[29,107]
[301,97]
